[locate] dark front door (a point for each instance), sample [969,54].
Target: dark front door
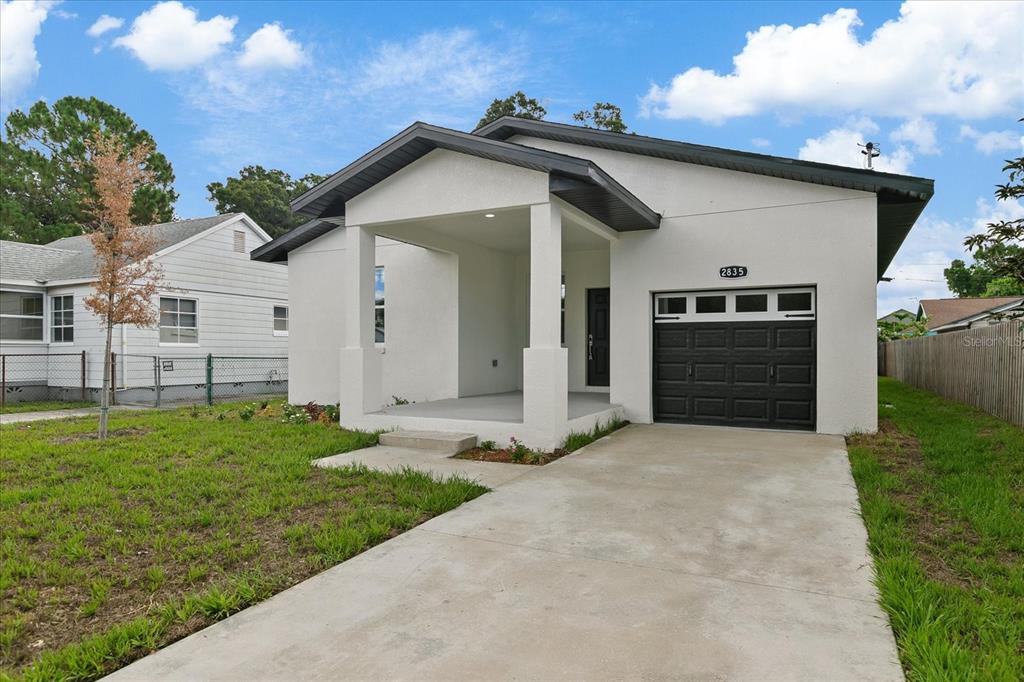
[758,374]
[597,337]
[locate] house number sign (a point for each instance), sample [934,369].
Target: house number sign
[732,271]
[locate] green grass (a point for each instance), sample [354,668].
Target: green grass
[575,440]
[113,549]
[44,406]
[942,494]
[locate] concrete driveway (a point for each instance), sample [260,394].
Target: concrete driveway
[661,552]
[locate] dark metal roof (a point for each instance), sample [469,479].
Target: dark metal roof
[901,198]
[596,192]
[276,251]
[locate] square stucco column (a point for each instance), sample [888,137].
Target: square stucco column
[360,365]
[545,362]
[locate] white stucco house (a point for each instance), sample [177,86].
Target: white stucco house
[533,278]
[214,300]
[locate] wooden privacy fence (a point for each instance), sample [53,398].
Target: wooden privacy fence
[983,367]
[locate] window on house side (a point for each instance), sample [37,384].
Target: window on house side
[179,320]
[21,316]
[378,304]
[280,320]
[239,241]
[62,319]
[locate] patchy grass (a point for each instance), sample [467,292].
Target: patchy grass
[942,494]
[44,406]
[113,549]
[517,453]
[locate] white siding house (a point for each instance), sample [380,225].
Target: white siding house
[214,300]
[539,278]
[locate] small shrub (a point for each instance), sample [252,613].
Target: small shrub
[517,451]
[294,414]
[487,445]
[248,412]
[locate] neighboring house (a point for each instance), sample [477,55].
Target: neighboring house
[538,278]
[214,300]
[901,315]
[955,314]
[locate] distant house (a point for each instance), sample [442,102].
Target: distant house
[901,315]
[954,314]
[214,300]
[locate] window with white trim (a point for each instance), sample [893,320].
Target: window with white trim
[378,304]
[21,316]
[280,320]
[179,321]
[62,319]
[735,305]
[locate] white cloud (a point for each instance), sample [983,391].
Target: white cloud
[453,63]
[938,58]
[20,23]
[919,132]
[103,24]
[992,141]
[761,142]
[840,146]
[170,37]
[269,48]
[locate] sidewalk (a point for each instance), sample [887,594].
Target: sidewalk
[20,417]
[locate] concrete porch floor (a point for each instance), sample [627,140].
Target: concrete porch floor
[494,407]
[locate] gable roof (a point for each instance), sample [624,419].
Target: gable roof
[72,258]
[940,312]
[901,198]
[897,315]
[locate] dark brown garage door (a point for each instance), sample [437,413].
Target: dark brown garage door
[759,374]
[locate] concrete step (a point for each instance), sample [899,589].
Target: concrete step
[435,441]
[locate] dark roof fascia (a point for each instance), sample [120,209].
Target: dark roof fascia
[762,164]
[276,250]
[426,138]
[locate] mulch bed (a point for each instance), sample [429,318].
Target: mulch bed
[505,456]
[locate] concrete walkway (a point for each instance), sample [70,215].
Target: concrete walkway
[18,417]
[385,458]
[660,552]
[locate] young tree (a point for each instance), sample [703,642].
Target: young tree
[45,182]
[604,116]
[1005,232]
[518,105]
[264,195]
[127,278]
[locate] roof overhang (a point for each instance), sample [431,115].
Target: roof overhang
[901,198]
[577,181]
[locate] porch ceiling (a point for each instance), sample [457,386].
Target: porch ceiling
[508,231]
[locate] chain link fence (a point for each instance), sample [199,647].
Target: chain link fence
[149,380]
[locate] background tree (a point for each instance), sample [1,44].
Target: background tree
[45,181]
[1004,286]
[1005,232]
[905,326]
[604,115]
[518,105]
[263,194]
[127,278]
[972,280]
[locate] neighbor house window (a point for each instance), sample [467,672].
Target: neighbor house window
[280,320]
[62,319]
[239,241]
[378,304]
[179,321]
[21,316]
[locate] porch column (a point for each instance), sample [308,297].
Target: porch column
[360,362]
[545,362]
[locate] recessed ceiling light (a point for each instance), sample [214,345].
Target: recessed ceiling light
[488,215]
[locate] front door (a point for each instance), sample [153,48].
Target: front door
[597,337]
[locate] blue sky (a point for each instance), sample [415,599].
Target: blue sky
[311,86]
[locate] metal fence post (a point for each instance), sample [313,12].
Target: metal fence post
[3,380]
[83,376]
[156,378]
[209,378]
[113,378]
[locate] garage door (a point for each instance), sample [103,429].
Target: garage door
[740,358]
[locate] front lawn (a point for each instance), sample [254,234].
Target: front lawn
[942,493]
[113,549]
[44,406]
